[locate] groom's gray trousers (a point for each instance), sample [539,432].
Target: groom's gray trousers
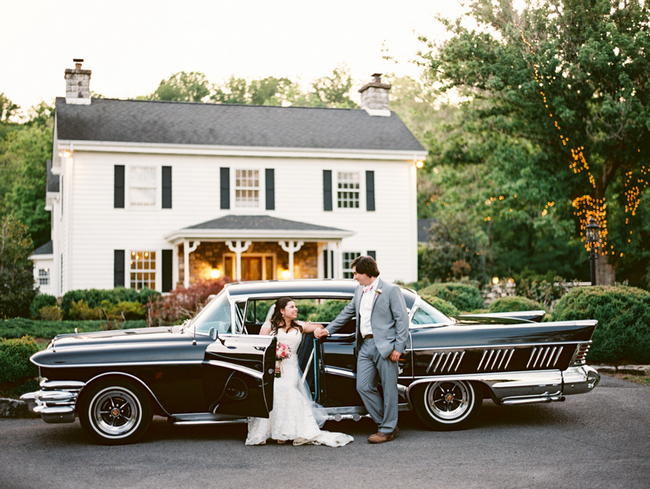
[371,364]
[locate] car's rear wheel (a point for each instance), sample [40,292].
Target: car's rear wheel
[446,405]
[115,411]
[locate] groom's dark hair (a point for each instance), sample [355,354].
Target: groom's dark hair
[365,264]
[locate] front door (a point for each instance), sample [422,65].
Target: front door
[251,268]
[238,375]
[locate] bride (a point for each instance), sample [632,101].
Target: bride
[294,414]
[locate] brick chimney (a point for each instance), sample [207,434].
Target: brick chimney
[77,84]
[374,96]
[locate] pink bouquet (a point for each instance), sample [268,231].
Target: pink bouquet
[282,351]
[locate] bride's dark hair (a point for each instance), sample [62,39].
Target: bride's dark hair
[277,321]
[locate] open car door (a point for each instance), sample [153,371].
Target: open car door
[238,374]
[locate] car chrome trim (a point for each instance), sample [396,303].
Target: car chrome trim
[342,372]
[140,381]
[506,345]
[122,364]
[239,368]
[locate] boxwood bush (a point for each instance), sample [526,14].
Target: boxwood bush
[515,303]
[623,314]
[40,301]
[14,359]
[464,297]
[17,327]
[445,307]
[94,297]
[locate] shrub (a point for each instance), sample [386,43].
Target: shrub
[14,359]
[623,314]
[546,289]
[327,311]
[445,307]
[39,302]
[464,297]
[95,297]
[17,327]
[50,313]
[16,275]
[124,310]
[81,310]
[182,303]
[514,303]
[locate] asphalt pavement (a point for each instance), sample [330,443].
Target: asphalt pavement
[595,440]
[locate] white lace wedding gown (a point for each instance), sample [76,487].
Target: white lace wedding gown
[293,416]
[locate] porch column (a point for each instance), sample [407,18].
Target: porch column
[187,249]
[338,261]
[238,247]
[290,247]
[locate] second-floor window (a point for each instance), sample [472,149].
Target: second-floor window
[142,182]
[348,190]
[247,188]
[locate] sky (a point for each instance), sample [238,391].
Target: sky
[131,45]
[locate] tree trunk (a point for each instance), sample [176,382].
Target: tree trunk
[605,271]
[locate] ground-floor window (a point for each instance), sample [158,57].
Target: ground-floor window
[142,270]
[43,276]
[348,258]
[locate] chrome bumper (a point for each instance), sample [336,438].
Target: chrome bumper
[56,400]
[578,380]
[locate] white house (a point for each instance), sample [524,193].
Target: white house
[160,194]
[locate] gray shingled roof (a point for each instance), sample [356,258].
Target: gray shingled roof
[231,125]
[52,179]
[262,223]
[45,249]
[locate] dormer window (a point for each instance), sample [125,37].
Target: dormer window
[247,188]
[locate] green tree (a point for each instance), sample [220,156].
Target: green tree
[564,82]
[16,277]
[7,108]
[183,86]
[333,90]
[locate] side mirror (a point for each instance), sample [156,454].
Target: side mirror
[214,334]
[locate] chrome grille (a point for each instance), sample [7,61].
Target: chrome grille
[447,361]
[544,356]
[495,359]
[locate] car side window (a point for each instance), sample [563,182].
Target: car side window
[426,314]
[215,315]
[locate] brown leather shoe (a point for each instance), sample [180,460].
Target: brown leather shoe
[395,432]
[380,437]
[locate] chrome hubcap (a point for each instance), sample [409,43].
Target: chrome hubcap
[447,400]
[115,412]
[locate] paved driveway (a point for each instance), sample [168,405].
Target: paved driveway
[597,440]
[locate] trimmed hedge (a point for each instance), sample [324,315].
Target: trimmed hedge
[445,307]
[40,301]
[17,327]
[514,303]
[465,297]
[623,314]
[14,359]
[94,297]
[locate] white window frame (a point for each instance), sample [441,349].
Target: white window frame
[156,270]
[336,190]
[261,189]
[43,278]
[157,205]
[348,270]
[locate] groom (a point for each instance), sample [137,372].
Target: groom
[382,331]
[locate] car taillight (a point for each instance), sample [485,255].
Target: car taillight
[580,356]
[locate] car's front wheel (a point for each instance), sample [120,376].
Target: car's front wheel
[446,405]
[115,411]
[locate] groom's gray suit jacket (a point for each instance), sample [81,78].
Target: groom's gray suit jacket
[389,318]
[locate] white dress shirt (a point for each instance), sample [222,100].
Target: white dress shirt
[365,307]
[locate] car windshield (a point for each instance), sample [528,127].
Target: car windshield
[215,315]
[427,315]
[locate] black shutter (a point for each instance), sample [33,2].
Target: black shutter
[167,265]
[325,264]
[270,189]
[166,187]
[327,190]
[118,186]
[373,254]
[370,190]
[225,188]
[118,268]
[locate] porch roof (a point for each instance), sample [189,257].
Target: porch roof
[257,227]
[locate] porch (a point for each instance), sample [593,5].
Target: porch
[255,248]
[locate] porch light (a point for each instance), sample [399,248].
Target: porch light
[284,274]
[495,280]
[215,273]
[66,153]
[419,164]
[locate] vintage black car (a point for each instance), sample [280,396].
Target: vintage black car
[216,368]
